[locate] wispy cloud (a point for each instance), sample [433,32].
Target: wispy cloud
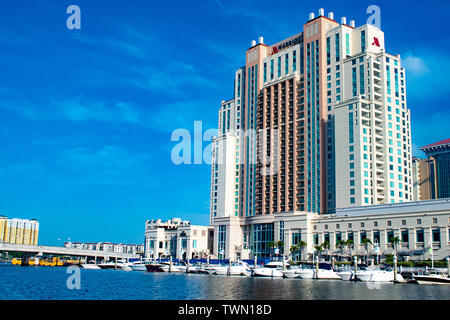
[78,109]
[427,73]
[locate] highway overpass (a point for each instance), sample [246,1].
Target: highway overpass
[74,252]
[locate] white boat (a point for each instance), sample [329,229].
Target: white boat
[371,274]
[306,273]
[138,266]
[326,274]
[432,276]
[120,264]
[91,266]
[291,273]
[196,268]
[271,269]
[212,269]
[238,268]
[347,275]
[176,267]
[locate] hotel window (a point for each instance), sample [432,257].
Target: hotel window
[328,51]
[286,63]
[294,61]
[419,221]
[390,236]
[361,79]
[271,69]
[221,239]
[355,92]
[375,224]
[338,237]
[419,236]
[350,236]
[389,223]
[436,235]
[376,237]
[265,71]
[363,40]
[316,239]
[362,236]
[349,225]
[194,244]
[405,236]
[279,66]
[347,43]
[434,220]
[296,237]
[337,47]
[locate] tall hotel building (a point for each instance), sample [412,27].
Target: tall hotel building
[319,121]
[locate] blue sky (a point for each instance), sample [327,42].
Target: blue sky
[86,115]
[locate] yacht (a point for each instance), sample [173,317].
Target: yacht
[154,266]
[433,276]
[238,268]
[91,266]
[165,267]
[212,268]
[120,264]
[349,273]
[138,266]
[291,272]
[372,274]
[196,268]
[326,272]
[176,267]
[271,269]
[306,272]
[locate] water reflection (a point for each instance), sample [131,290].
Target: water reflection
[50,283]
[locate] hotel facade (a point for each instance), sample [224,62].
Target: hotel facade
[318,124]
[178,239]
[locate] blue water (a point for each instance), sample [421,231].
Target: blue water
[44,283]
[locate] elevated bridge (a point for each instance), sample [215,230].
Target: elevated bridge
[62,251]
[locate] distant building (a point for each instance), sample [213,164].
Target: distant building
[19,231]
[423,181]
[107,247]
[438,168]
[177,238]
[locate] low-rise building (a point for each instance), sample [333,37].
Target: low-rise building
[177,238]
[107,246]
[416,226]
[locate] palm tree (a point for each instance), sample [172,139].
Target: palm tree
[366,242]
[294,250]
[326,246]
[349,244]
[395,242]
[319,249]
[280,245]
[271,244]
[341,245]
[301,245]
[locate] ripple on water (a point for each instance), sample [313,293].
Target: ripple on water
[45,283]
